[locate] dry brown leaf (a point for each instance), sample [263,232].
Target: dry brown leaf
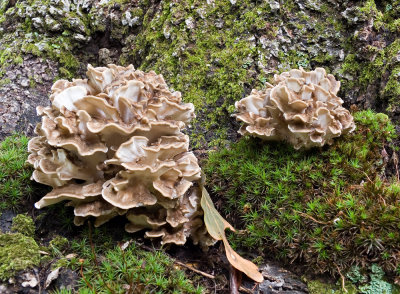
[216,226]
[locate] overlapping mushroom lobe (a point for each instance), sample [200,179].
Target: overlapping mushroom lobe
[113,145]
[300,107]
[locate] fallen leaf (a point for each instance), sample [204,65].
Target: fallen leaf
[51,277]
[216,226]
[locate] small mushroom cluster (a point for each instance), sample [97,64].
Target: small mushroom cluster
[112,145]
[301,108]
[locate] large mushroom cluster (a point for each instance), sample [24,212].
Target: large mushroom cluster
[112,145]
[301,107]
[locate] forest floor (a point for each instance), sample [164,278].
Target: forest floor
[215,53]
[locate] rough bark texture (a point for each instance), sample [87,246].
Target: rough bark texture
[27,87]
[215,52]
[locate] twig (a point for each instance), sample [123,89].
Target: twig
[383,200]
[380,196]
[342,277]
[86,281]
[310,217]
[396,163]
[235,279]
[246,290]
[365,175]
[195,270]
[147,247]
[180,263]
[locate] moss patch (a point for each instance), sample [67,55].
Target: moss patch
[58,244]
[15,184]
[50,29]
[318,287]
[144,271]
[209,64]
[329,207]
[23,224]
[17,252]
[378,60]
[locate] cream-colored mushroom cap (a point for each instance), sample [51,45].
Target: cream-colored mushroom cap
[301,108]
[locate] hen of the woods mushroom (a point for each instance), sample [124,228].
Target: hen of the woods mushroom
[112,145]
[301,108]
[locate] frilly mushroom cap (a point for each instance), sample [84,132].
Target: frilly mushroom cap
[301,108]
[113,145]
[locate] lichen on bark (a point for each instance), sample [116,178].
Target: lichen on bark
[216,51]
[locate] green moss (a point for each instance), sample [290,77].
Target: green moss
[289,5]
[15,184]
[23,224]
[209,65]
[322,58]
[294,59]
[32,82]
[213,54]
[58,47]
[318,287]
[17,252]
[4,82]
[61,291]
[367,281]
[326,207]
[46,259]
[147,272]
[59,244]
[3,6]
[378,63]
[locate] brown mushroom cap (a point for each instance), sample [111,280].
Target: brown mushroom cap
[301,108]
[145,219]
[71,192]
